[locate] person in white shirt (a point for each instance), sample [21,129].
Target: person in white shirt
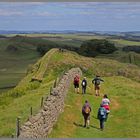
[105,100]
[105,103]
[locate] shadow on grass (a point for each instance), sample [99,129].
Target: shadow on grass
[80,125]
[95,127]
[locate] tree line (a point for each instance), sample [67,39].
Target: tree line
[89,48]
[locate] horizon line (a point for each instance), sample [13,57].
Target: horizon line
[1,30]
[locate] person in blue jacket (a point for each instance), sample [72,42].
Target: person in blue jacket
[102,114]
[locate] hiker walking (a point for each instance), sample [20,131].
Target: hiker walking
[86,109]
[76,83]
[84,85]
[105,103]
[96,81]
[101,116]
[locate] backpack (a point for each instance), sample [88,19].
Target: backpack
[97,81]
[83,83]
[87,110]
[76,79]
[102,112]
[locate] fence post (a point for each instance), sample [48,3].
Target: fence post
[12,136]
[42,101]
[134,59]
[55,82]
[18,127]
[50,90]
[130,60]
[31,111]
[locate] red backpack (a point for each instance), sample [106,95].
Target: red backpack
[76,80]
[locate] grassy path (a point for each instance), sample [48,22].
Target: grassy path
[123,119]
[123,92]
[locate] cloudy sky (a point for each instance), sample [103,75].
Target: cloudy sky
[84,16]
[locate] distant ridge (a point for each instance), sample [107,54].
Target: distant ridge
[69,32]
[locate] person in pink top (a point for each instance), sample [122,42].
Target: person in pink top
[106,104]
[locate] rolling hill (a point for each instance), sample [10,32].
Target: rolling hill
[122,84]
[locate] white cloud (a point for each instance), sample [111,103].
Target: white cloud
[87,13]
[10,13]
[45,14]
[34,3]
[12,4]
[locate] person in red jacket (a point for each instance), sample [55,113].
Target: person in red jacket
[76,83]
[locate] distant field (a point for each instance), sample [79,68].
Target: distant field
[71,39]
[14,64]
[64,36]
[77,37]
[125,42]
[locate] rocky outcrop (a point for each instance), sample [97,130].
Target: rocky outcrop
[40,125]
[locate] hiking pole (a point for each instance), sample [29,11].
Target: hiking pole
[12,136]
[55,82]
[50,90]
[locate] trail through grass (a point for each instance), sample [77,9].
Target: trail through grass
[123,118]
[122,92]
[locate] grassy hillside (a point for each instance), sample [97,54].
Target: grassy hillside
[124,57]
[17,102]
[123,118]
[121,83]
[13,64]
[123,42]
[73,41]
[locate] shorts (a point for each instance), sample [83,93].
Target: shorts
[97,87]
[76,85]
[86,116]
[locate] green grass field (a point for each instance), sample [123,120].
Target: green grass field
[123,42]
[121,84]
[123,118]
[17,102]
[121,90]
[14,65]
[11,108]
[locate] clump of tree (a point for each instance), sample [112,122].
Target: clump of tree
[96,46]
[40,45]
[12,48]
[42,48]
[132,48]
[2,36]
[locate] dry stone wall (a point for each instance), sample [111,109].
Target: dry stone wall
[40,125]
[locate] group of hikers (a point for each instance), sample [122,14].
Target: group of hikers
[96,81]
[104,108]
